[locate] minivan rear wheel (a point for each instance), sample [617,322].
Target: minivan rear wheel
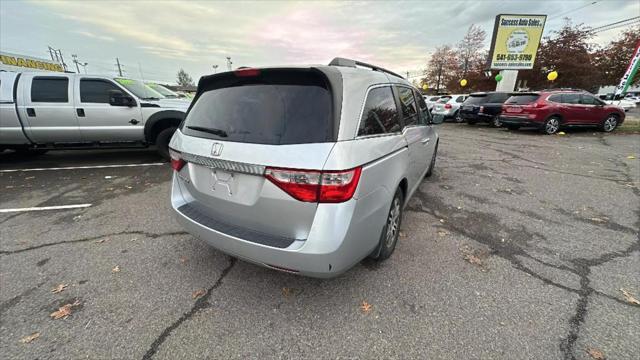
[433,161]
[391,229]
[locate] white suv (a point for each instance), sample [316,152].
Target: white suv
[448,106]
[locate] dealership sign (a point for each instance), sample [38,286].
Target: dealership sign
[515,41]
[631,72]
[14,62]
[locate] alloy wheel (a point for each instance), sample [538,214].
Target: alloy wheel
[552,126]
[393,222]
[610,123]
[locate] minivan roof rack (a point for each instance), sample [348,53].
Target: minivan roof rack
[353,63]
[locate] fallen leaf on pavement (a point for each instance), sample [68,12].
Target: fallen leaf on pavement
[100,241]
[200,292]
[60,288]
[598,220]
[64,311]
[30,338]
[562,133]
[286,292]
[631,157]
[402,234]
[116,269]
[474,256]
[183,259]
[366,307]
[442,233]
[596,354]
[129,187]
[629,297]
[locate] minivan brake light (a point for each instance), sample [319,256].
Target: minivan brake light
[315,185]
[177,162]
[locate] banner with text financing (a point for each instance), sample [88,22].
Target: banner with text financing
[515,41]
[631,72]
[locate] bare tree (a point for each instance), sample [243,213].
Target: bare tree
[184,79]
[469,49]
[442,66]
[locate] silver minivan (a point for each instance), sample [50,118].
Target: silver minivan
[301,169]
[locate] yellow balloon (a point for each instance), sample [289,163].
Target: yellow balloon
[552,75]
[425,87]
[463,82]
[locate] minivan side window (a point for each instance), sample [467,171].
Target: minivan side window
[380,114]
[408,105]
[96,90]
[425,115]
[50,89]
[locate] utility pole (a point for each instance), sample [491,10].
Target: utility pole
[75,60]
[407,76]
[215,68]
[229,63]
[119,67]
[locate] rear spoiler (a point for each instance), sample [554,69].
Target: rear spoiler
[354,63]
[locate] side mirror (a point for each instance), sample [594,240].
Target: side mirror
[437,119]
[117,98]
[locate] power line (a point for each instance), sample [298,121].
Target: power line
[573,10]
[622,22]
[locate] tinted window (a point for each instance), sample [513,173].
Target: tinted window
[571,98]
[380,113]
[522,99]
[498,98]
[555,98]
[476,99]
[408,105]
[435,98]
[460,99]
[444,99]
[276,107]
[50,89]
[425,115]
[96,91]
[590,100]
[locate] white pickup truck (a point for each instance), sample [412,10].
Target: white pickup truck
[43,111]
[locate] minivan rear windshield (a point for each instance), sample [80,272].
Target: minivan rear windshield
[275,107]
[476,99]
[522,99]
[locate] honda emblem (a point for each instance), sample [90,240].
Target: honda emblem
[216,149]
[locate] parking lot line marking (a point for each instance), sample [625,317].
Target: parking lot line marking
[61,207]
[82,167]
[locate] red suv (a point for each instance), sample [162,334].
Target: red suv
[553,109]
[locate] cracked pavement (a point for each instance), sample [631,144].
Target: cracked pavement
[516,248]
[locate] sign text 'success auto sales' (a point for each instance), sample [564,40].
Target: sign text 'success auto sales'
[515,41]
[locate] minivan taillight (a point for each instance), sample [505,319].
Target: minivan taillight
[177,162]
[314,185]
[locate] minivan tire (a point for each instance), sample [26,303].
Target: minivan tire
[389,237]
[433,161]
[610,123]
[162,142]
[551,125]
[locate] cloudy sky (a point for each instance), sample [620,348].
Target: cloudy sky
[154,39]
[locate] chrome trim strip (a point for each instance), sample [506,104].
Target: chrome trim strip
[226,165]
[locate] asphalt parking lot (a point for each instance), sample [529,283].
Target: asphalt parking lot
[517,248]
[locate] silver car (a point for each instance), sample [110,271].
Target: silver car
[301,169]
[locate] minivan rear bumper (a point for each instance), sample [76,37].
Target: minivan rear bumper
[341,235]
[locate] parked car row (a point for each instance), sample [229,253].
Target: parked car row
[548,110]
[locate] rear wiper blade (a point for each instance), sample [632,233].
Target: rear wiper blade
[218,132]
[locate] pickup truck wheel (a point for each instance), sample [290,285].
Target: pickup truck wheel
[391,229]
[609,124]
[162,142]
